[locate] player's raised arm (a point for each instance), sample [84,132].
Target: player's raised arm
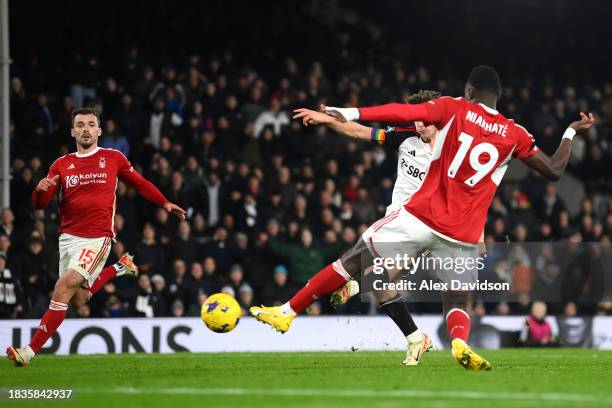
[349,129]
[45,189]
[552,167]
[147,189]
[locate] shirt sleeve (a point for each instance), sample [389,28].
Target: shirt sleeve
[441,110]
[437,111]
[41,199]
[145,188]
[525,144]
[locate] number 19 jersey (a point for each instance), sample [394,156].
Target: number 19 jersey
[473,148]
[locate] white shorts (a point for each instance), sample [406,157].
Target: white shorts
[401,233]
[87,256]
[391,208]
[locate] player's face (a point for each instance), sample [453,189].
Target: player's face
[86,130]
[426,132]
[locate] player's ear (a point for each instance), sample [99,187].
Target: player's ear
[470,92]
[72,132]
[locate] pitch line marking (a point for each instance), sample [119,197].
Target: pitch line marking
[294,392]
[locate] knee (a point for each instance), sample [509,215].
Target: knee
[69,282]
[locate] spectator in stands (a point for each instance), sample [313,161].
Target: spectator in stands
[112,139]
[274,117]
[11,293]
[148,253]
[305,256]
[280,289]
[148,302]
[537,331]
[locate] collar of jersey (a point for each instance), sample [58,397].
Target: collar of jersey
[490,110]
[94,151]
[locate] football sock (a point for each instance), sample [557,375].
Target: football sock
[108,273]
[48,325]
[398,311]
[458,324]
[325,282]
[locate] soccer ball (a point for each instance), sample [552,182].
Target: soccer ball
[220,313]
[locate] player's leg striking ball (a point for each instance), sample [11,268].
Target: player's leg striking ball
[326,281]
[330,279]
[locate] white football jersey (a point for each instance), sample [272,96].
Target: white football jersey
[413,161]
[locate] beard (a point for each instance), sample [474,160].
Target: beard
[86,144]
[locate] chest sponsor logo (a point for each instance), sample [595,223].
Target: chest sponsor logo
[412,170]
[85,179]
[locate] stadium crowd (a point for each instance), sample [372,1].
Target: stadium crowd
[269,201]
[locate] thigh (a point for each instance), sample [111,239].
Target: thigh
[398,233]
[356,260]
[456,264]
[86,256]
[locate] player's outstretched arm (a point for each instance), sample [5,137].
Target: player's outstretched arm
[349,129]
[389,113]
[44,191]
[552,167]
[151,193]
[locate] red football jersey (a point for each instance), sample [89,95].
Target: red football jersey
[88,183]
[473,148]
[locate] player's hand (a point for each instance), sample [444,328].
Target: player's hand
[44,184]
[175,210]
[482,249]
[310,117]
[584,124]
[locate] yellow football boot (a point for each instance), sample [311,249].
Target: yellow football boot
[272,316]
[467,358]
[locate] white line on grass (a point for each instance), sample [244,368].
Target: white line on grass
[292,392]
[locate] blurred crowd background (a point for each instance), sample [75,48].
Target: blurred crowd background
[201,104]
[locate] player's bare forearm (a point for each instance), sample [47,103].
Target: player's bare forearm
[351,129]
[551,167]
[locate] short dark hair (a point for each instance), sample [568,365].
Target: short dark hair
[422,96]
[84,111]
[485,78]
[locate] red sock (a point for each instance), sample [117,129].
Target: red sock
[107,274]
[458,324]
[327,280]
[48,325]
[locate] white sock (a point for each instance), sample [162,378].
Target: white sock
[415,337]
[30,352]
[287,310]
[119,268]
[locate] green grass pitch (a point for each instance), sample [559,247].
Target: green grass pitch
[520,378]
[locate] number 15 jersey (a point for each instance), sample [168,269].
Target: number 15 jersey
[474,146]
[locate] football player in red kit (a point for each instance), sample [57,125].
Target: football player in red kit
[446,215]
[87,180]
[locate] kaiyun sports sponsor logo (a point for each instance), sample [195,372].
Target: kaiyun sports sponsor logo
[84,179]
